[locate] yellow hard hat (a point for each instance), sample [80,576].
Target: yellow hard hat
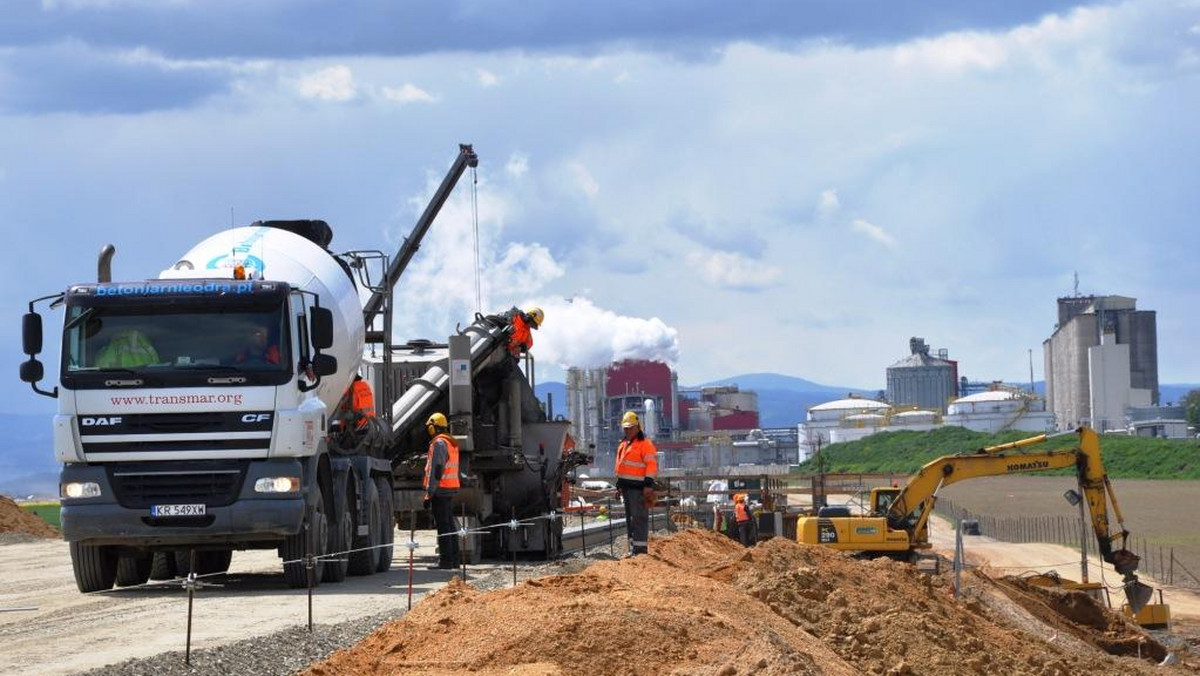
[435,421]
[537,315]
[630,419]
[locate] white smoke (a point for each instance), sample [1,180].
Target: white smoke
[438,292]
[577,333]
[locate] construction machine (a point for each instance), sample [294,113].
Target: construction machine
[197,410]
[897,523]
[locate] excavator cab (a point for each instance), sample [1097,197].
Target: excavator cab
[882,499]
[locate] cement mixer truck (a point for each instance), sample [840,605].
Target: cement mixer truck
[196,410]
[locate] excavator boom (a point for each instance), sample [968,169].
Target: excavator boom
[900,517]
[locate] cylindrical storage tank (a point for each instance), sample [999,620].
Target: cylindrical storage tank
[279,255]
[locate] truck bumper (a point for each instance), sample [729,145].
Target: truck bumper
[249,520]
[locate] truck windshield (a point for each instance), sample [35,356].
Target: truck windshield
[157,339]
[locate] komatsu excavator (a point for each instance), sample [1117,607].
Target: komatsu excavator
[898,520]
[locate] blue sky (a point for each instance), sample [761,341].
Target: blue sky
[789,187]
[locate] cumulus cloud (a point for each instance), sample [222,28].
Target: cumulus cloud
[731,270]
[828,206]
[409,93]
[578,333]
[583,179]
[335,83]
[517,165]
[873,232]
[486,78]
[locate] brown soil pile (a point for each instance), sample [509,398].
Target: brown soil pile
[13,519]
[700,604]
[1083,617]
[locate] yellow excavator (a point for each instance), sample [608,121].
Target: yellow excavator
[898,521]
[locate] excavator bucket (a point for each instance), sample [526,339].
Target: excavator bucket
[1138,594]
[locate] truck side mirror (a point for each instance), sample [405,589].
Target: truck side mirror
[32,371]
[31,334]
[324,365]
[320,327]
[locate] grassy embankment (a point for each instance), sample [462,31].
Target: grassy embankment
[905,452]
[48,511]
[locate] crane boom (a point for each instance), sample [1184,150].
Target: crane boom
[374,305]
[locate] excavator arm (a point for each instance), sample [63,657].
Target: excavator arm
[911,509]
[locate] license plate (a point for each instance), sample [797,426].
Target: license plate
[177,510]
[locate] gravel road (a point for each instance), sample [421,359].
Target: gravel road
[69,632]
[251,624]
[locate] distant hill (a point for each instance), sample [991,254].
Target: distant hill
[1175,393]
[27,465]
[761,382]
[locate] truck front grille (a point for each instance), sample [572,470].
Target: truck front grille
[215,484]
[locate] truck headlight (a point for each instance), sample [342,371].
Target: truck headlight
[277,484]
[79,489]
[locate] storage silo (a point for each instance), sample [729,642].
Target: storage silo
[921,380]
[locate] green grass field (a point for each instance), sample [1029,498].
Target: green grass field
[905,452]
[48,511]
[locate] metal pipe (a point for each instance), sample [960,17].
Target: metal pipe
[104,264]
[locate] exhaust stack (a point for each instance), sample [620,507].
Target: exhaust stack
[104,265]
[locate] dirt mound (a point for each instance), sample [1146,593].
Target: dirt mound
[1083,617]
[701,604]
[13,519]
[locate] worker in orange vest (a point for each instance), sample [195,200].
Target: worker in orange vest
[441,485]
[637,467]
[362,402]
[741,514]
[521,339]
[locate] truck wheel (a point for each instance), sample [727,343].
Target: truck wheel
[366,559]
[95,567]
[133,570]
[387,525]
[162,566]
[313,538]
[341,535]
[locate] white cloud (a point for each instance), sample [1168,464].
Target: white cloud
[517,165]
[584,179]
[873,232]
[733,270]
[486,78]
[409,93]
[828,206]
[578,333]
[335,83]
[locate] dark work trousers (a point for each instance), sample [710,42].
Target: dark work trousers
[637,520]
[746,532]
[443,518]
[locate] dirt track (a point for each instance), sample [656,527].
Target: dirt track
[70,632]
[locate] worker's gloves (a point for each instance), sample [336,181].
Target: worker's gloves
[428,499]
[649,496]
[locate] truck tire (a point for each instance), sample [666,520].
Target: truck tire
[313,537]
[162,566]
[134,570]
[341,535]
[365,559]
[387,525]
[95,567]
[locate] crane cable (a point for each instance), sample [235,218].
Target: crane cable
[475,224]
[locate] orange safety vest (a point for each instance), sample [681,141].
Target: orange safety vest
[637,459]
[450,474]
[741,513]
[521,336]
[362,401]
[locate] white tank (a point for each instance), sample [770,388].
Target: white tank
[278,255]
